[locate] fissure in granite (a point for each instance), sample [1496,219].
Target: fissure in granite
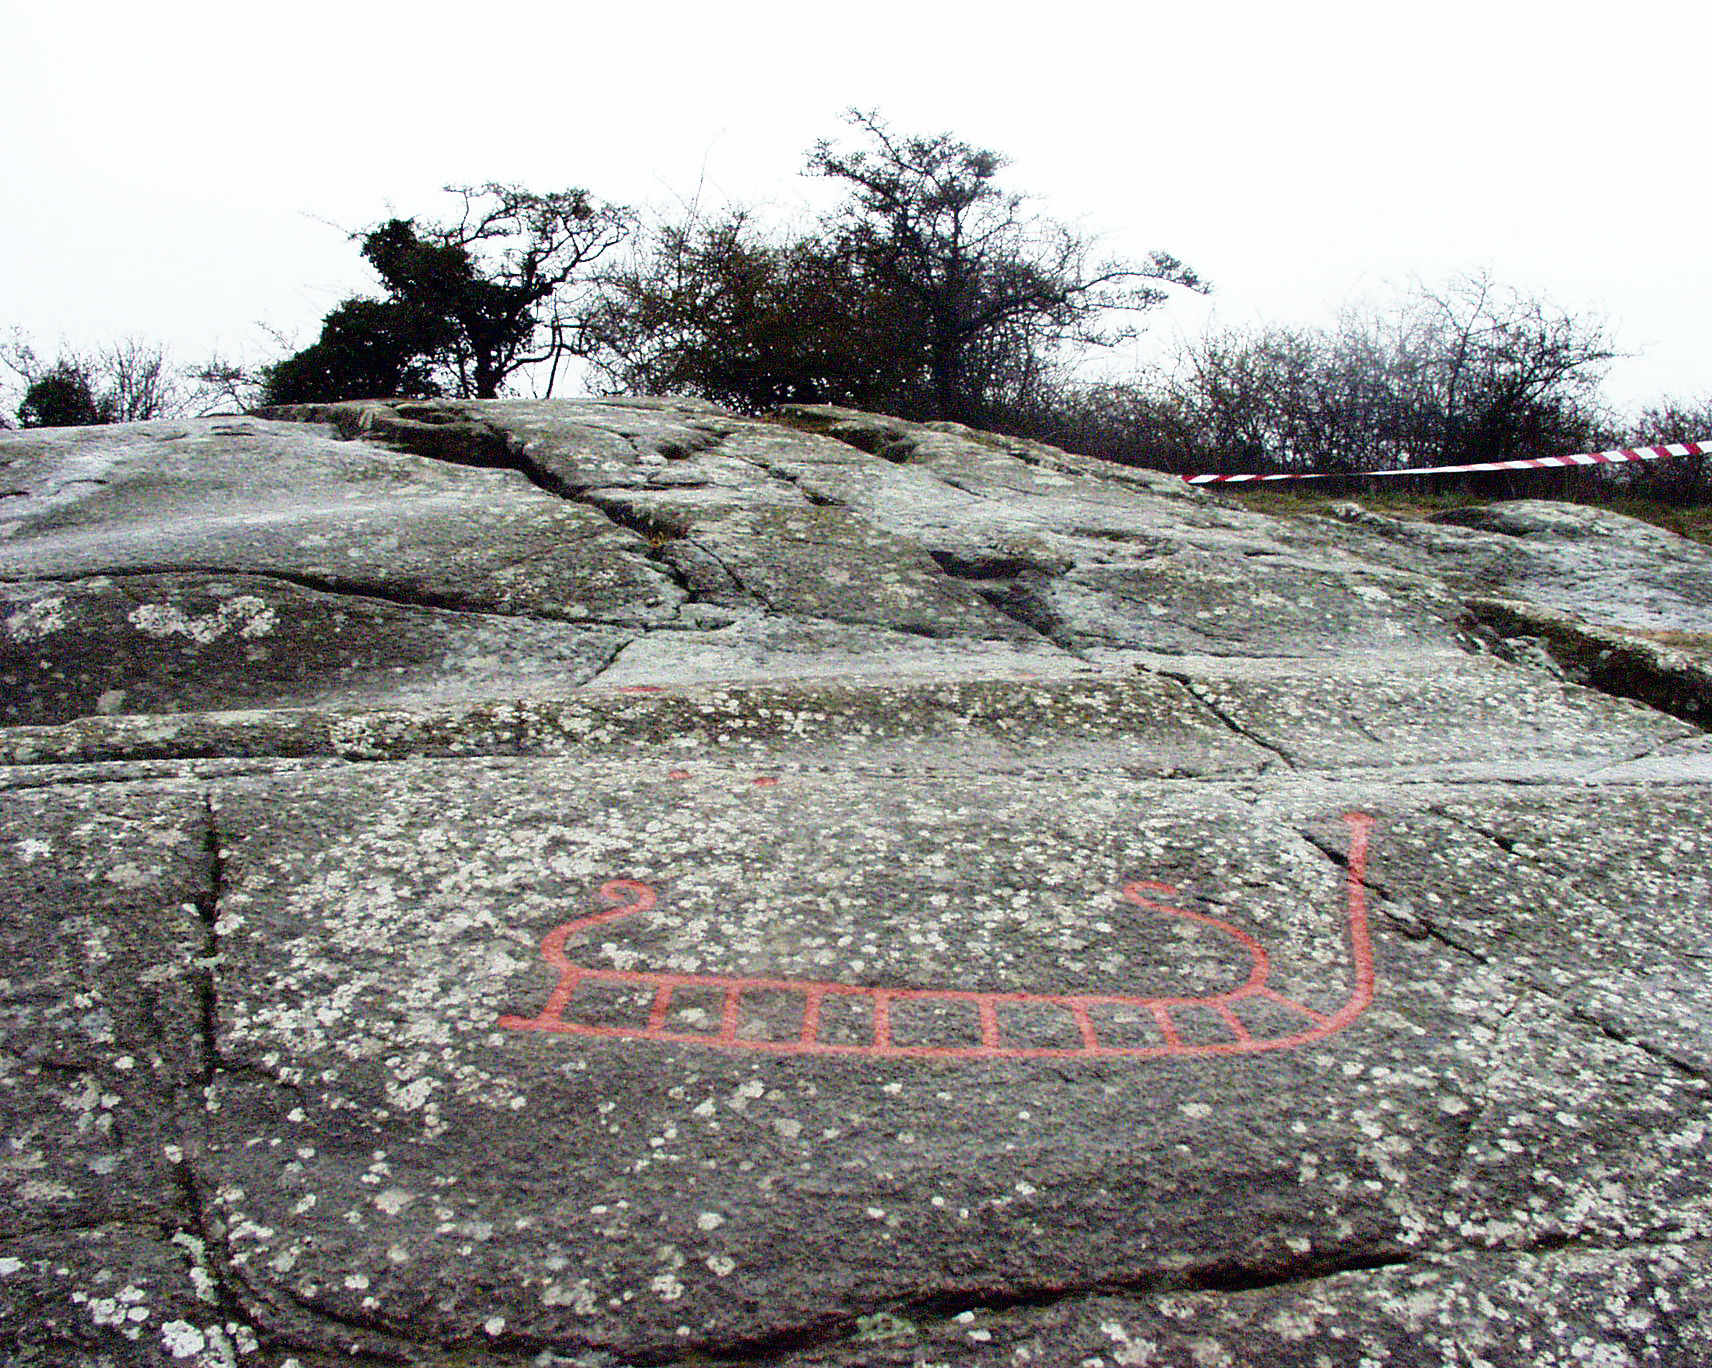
[380,592]
[1343,1169]
[1417,923]
[1633,669]
[1197,690]
[490,445]
[199,1240]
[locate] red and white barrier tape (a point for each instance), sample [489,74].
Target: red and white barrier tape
[1586,458]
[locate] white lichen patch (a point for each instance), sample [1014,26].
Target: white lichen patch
[667,1287]
[36,620]
[394,1200]
[183,1340]
[246,615]
[579,1297]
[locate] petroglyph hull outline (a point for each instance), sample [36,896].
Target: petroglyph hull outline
[631,897]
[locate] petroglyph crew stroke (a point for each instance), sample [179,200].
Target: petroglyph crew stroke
[987,1011]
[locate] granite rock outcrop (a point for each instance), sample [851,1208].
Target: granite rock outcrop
[617,882]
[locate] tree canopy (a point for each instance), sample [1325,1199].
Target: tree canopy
[63,397]
[1468,371]
[927,291]
[468,303]
[994,291]
[368,348]
[128,381]
[1471,371]
[719,308]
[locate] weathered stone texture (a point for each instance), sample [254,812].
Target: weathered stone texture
[617,883]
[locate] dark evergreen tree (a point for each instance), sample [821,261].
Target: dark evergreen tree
[468,304]
[63,397]
[368,349]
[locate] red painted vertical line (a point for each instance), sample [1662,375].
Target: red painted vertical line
[989,1024]
[1162,1015]
[882,1021]
[1231,1019]
[811,1016]
[1079,1010]
[1360,941]
[728,1014]
[662,1001]
[562,993]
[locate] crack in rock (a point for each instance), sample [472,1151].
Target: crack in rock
[1601,658]
[622,1195]
[1196,691]
[358,588]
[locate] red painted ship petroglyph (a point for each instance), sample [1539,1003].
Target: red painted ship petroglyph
[1288,1022]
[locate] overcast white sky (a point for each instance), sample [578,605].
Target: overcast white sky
[181,170]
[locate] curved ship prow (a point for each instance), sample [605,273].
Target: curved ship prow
[1252,1017]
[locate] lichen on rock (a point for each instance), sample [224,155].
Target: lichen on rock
[611,882]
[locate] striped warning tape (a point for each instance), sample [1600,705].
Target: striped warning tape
[1586,458]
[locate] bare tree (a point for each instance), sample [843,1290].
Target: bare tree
[994,289]
[1684,480]
[1470,372]
[221,384]
[139,381]
[127,381]
[1488,373]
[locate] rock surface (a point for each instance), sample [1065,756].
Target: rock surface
[617,883]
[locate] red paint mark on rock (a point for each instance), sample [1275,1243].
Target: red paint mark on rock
[678,774]
[766,781]
[638,688]
[987,1011]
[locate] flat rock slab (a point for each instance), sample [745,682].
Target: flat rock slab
[195,642]
[1086,924]
[1557,1307]
[1610,569]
